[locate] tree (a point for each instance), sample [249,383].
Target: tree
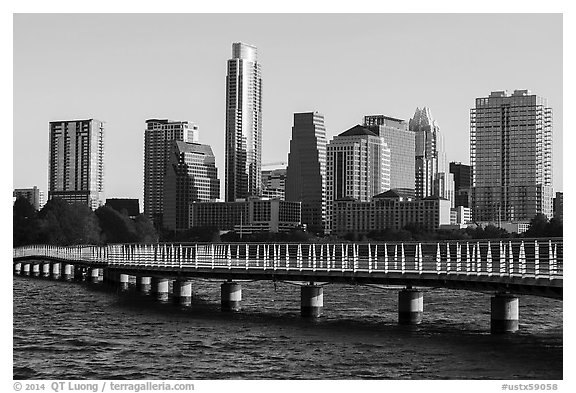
[145,231]
[538,226]
[61,223]
[116,227]
[555,228]
[24,223]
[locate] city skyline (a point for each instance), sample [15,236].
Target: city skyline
[338,99]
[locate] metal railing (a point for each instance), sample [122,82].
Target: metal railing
[528,258]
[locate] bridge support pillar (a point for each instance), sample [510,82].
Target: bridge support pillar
[311,300]
[124,282]
[26,269]
[144,284]
[503,313]
[182,292]
[17,268]
[46,270]
[35,269]
[55,271]
[68,272]
[160,288]
[410,307]
[231,296]
[94,275]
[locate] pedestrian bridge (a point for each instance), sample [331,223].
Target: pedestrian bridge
[507,268]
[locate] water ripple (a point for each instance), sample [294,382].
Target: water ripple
[71,331]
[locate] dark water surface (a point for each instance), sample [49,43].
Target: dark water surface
[75,331]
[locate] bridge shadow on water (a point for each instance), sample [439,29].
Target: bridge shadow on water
[354,319]
[445,332]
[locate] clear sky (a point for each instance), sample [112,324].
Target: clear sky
[126,68]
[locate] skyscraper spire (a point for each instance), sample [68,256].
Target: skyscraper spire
[430,159]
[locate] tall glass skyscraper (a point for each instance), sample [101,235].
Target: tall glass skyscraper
[191,176]
[243,123]
[306,172]
[401,142]
[158,136]
[76,162]
[511,157]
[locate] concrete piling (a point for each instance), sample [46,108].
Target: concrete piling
[311,300]
[144,284]
[55,271]
[35,269]
[124,282]
[182,292]
[410,307]
[94,275]
[503,313]
[46,270]
[231,296]
[68,272]
[160,288]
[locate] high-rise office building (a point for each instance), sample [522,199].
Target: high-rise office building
[429,154]
[33,195]
[191,176]
[273,181]
[76,162]
[306,172]
[401,142]
[511,157]
[357,167]
[243,123]
[462,183]
[558,206]
[158,136]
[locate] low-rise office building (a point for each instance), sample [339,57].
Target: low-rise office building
[249,216]
[392,209]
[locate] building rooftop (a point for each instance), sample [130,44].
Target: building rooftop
[385,117]
[73,121]
[197,148]
[357,130]
[504,93]
[166,121]
[396,193]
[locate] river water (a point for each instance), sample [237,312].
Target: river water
[76,331]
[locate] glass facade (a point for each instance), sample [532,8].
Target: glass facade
[191,176]
[401,142]
[243,124]
[306,172]
[158,136]
[358,167]
[511,157]
[462,183]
